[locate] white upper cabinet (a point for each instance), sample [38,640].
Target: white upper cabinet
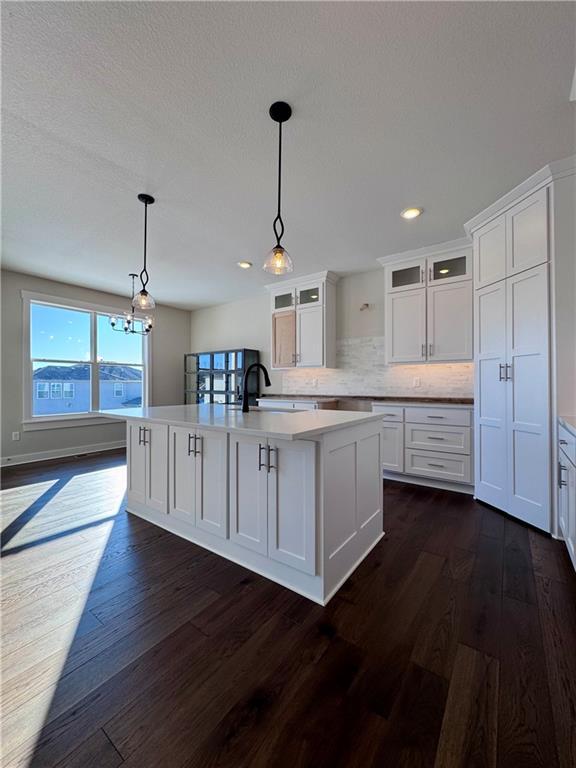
[527,233]
[490,253]
[406,276]
[303,322]
[429,305]
[406,326]
[450,322]
[513,241]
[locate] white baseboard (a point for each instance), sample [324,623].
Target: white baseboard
[60,453]
[429,482]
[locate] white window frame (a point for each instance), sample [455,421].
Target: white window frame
[70,385]
[88,418]
[118,384]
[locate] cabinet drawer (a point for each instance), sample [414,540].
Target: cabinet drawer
[456,417]
[438,438]
[567,443]
[388,412]
[441,466]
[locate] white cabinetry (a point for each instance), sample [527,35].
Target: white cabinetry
[566,482]
[304,322]
[423,441]
[147,445]
[272,499]
[513,241]
[512,356]
[198,478]
[429,306]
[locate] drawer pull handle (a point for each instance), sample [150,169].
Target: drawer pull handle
[435,417]
[431,437]
[432,464]
[394,414]
[562,442]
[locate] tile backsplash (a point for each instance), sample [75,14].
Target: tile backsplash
[362,371]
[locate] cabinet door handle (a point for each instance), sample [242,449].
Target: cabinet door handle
[190,449]
[501,375]
[270,465]
[422,274]
[561,468]
[197,440]
[430,348]
[144,441]
[430,274]
[139,435]
[423,350]
[261,464]
[508,372]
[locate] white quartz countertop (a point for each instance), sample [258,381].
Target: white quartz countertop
[286,425]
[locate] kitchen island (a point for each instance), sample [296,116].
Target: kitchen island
[295,496]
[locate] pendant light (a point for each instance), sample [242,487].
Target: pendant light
[278,261]
[141,301]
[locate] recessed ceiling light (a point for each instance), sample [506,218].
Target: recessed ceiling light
[244,264]
[411,213]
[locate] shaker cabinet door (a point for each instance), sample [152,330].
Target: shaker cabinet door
[284,339]
[211,482]
[527,233]
[181,475]
[489,246]
[136,464]
[310,337]
[157,467]
[406,326]
[248,493]
[450,322]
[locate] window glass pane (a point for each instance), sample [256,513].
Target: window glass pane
[407,276]
[59,334]
[60,388]
[220,360]
[231,359]
[120,386]
[239,359]
[232,382]
[204,362]
[450,268]
[204,381]
[116,346]
[219,398]
[219,384]
[203,398]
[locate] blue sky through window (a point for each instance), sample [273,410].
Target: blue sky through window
[58,333]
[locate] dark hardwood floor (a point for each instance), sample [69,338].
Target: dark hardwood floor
[452,645]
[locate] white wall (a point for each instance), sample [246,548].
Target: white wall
[360,346]
[169,342]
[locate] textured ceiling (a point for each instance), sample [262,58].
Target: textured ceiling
[442,105]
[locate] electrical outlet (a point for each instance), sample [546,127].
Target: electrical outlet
[417,382]
[15,435]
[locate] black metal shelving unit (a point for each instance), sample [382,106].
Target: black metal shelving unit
[218,376]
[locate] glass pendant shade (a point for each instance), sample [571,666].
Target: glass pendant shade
[278,261]
[143,301]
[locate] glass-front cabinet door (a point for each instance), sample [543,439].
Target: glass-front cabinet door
[309,295]
[450,268]
[283,299]
[406,275]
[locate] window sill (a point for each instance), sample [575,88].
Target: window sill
[63,422]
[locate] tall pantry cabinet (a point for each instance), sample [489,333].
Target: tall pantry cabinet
[522,247]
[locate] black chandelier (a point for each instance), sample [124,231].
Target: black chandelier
[278,261]
[142,301]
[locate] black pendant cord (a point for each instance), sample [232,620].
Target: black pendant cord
[278,223]
[144,277]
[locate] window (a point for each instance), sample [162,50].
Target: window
[77,363]
[55,390]
[42,390]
